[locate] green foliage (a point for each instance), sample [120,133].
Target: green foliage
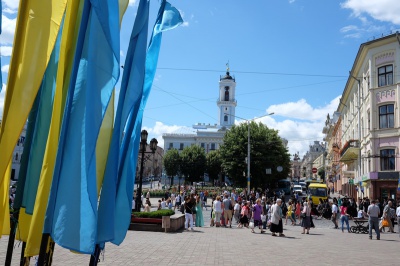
[266,151]
[193,163]
[321,173]
[213,164]
[155,214]
[171,162]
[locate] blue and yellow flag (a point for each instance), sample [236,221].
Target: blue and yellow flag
[168,18]
[130,93]
[71,216]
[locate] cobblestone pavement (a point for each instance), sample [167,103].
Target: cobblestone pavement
[234,246]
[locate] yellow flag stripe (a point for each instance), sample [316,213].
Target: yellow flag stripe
[37,28]
[67,51]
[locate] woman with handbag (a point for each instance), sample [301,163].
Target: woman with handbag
[386,221]
[306,218]
[256,216]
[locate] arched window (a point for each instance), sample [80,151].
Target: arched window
[226,118]
[227,93]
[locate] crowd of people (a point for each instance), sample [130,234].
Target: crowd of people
[258,211]
[263,211]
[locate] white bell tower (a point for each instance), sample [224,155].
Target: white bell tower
[226,101]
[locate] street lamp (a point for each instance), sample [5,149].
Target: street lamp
[153,148]
[248,146]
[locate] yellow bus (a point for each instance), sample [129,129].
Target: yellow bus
[317,191]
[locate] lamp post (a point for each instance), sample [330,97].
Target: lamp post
[248,146]
[153,147]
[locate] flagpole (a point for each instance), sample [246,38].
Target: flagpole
[11,239]
[94,258]
[43,249]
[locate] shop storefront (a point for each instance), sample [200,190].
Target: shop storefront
[379,185]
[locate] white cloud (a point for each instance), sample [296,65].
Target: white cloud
[302,110]
[185,22]
[8,29]
[5,68]
[348,28]
[9,11]
[383,10]
[292,1]
[302,124]
[5,50]
[159,129]
[12,4]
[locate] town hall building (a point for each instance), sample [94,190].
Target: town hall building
[209,136]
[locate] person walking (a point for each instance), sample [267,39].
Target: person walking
[236,212]
[228,207]
[256,216]
[344,217]
[335,213]
[306,221]
[373,219]
[189,207]
[244,219]
[290,214]
[398,217]
[276,219]
[199,213]
[217,205]
[386,217]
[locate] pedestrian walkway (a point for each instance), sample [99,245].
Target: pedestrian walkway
[234,246]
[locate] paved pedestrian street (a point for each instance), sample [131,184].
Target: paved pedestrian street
[234,246]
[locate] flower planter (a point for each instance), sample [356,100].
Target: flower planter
[145,220]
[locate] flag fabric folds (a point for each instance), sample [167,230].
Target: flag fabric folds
[71,216]
[130,93]
[168,18]
[4,204]
[67,51]
[35,18]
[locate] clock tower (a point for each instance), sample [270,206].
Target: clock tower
[226,101]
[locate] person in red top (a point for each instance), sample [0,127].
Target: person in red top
[244,220]
[344,217]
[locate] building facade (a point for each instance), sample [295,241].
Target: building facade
[367,147]
[308,161]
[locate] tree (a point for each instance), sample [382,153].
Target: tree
[213,164]
[171,163]
[321,173]
[266,151]
[193,162]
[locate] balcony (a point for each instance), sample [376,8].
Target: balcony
[349,152]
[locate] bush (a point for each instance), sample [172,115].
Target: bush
[155,214]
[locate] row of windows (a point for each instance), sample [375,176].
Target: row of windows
[211,146]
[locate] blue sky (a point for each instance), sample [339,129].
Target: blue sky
[290,57]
